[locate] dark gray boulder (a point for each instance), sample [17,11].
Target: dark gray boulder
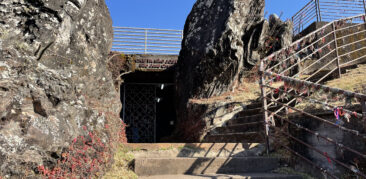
[271,35]
[222,41]
[56,94]
[212,54]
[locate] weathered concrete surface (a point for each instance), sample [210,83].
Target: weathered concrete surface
[347,139]
[167,150]
[223,165]
[54,84]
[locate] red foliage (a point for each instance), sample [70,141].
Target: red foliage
[87,156]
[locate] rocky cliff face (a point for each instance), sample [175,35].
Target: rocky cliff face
[223,39]
[59,110]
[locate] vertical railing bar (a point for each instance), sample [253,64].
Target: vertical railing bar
[293,30]
[316,9]
[319,11]
[364,5]
[145,41]
[336,48]
[300,23]
[265,107]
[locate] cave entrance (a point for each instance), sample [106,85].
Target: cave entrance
[148,106]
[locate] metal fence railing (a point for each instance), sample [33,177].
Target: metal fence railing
[326,11]
[147,40]
[285,87]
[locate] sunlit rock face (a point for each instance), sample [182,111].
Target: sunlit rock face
[213,46]
[223,39]
[54,84]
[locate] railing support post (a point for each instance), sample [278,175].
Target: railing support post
[364,5]
[265,107]
[145,51]
[293,29]
[318,13]
[316,10]
[336,49]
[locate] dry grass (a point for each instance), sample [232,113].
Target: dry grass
[120,168]
[244,93]
[354,80]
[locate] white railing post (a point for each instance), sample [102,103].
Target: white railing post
[145,51]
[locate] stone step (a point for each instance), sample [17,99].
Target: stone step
[247,137]
[166,150]
[246,119]
[204,165]
[250,112]
[245,127]
[254,111]
[254,105]
[226,176]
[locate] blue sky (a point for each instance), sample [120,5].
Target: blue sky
[171,14]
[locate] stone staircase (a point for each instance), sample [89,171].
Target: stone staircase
[247,126]
[204,160]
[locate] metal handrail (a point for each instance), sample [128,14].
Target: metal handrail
[133,40]
[153,29]
[328,10]
[332,43]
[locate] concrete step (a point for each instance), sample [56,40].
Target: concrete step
[254,111]
[246,119]
[245,127]
[254,105]
[204,165]
[250,112]
[226,176]
[166,150]
[247,137]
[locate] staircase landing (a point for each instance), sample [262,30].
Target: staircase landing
[204,160]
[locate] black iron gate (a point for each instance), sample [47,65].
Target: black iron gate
[139,112]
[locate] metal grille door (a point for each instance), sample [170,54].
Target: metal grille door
[140,112]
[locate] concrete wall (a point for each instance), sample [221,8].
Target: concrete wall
[347,139]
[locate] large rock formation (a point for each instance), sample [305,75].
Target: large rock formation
[223,39]
[59,110]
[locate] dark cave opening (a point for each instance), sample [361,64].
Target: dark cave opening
[148,100]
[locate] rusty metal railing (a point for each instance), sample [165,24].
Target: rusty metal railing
[293,76]
[326,11]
